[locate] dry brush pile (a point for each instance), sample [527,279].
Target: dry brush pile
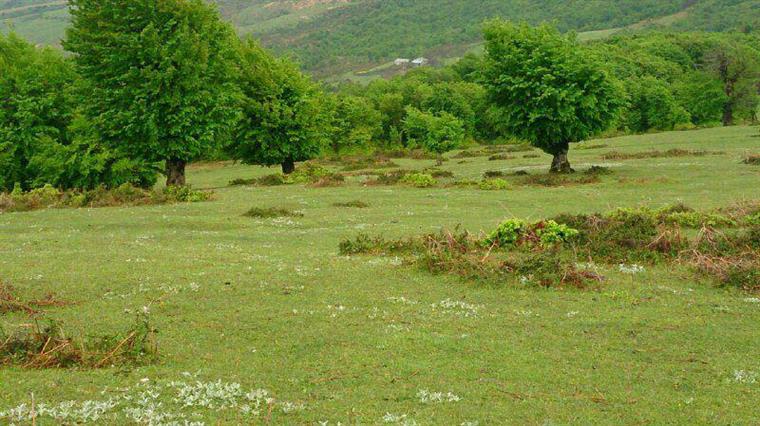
[564,251]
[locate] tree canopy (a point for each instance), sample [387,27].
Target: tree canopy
[283,116]
[546,88]
[156,74]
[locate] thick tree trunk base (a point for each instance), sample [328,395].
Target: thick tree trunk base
[728,116]
[560,163]
[175,172]
[288,166]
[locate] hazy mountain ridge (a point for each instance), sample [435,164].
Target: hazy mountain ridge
[332,36]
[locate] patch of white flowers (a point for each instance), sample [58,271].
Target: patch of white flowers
[171,404]
[631,269]
[752,300]
[457,307]
[746,377]
[427,397]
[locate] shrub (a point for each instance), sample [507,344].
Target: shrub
[507,233]
[308,173]
[550,232]
[489,174]
[330,180]
[555,179]
[598,171]
[364,244]
[376,162]
[419,180]
[179,194]
[438,173]
[752,159]
[271,212]
[698,220]
[499,157]
[275,179]
[493,184]
[543,233]
[126,194]
[389,178]
[675,152]
[48,346]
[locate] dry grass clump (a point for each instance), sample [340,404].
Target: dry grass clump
[555,179]
[365,163]
[124,195]
[46,345]
[357,204]
[9,302]
[501,157]
[594,146]
[752,159]
[469,257]
[558,252]
[732,259]
[329,181]
[271,212]
[616,155]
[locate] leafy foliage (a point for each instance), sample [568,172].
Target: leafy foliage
[283,120]
[545,87]
[155,76]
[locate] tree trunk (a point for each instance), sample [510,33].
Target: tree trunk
[728,88]
[728,113]
[175,172]
[560,163]
[288,166]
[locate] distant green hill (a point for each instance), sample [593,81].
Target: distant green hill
[333,36]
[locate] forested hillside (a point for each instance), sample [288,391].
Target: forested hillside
[331,36]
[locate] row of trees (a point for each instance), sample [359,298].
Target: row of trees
[158,84]
[149,88]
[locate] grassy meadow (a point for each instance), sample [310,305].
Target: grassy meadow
[269,304]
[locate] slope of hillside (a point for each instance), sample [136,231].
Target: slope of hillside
[333,36]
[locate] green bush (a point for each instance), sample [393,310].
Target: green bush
[551,232]
[698,220]
[507,233]
[419,180]
[494,184]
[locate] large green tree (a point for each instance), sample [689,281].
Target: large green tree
[547,88]
[284,119]
[737,66]
[157,76]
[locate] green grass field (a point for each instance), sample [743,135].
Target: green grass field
[270,304]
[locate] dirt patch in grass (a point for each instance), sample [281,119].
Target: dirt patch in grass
[616,155]
[271,212]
